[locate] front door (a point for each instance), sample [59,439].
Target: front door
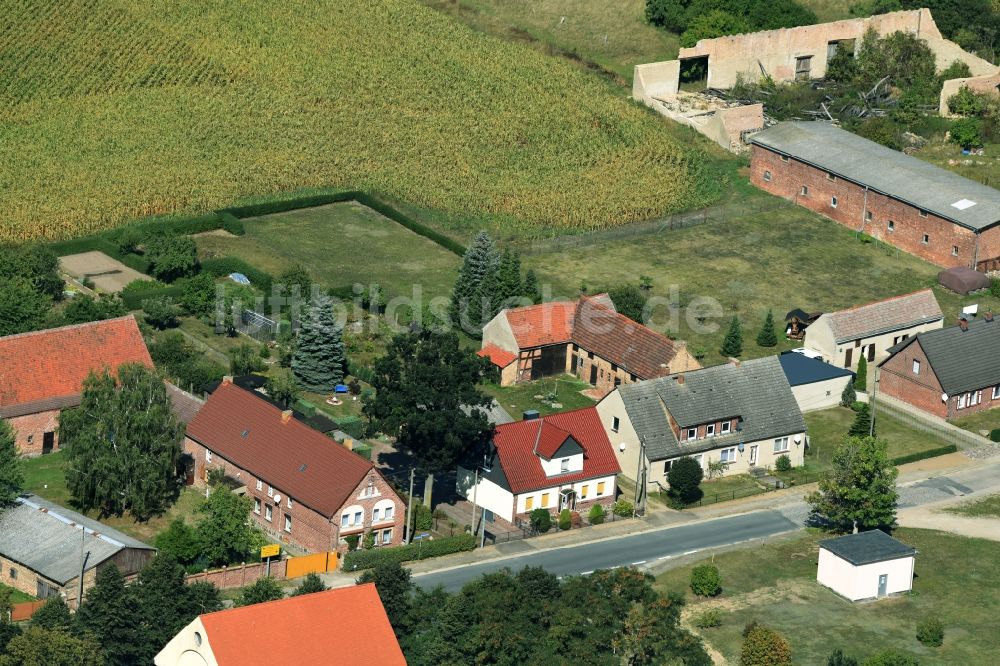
[593,375]
[883,584]
[48,442]
[753,454]
[567,500]
[847,357]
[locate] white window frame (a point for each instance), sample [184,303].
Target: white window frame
[767,176]
[833,202]
[891,226]
[256,506]
[784,158]
[728,455]
[387,536]
[926,240]
[692,436]
[208,456]
[954,250]
[345,520]
[564,466]
[780,444]
[289,502]
[358,518]
[268,513]
[270,491]
[921,212]
[804,192]
[615,423]
[996,392]
[962,400]
[916,366]
[375,514]
[260,484]
[726,427]
[288,523]
[710,430]
[388,513]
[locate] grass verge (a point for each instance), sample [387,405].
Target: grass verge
[987,507]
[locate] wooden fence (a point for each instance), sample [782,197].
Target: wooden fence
[307,564]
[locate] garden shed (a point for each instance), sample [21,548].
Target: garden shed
[963,280]
[866,565]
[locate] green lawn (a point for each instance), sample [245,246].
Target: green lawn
[565,389]
[983,168]
[16,596]
[777,260]
[987,507]
[986,420]
[776,585]
[341,244]
[728,488]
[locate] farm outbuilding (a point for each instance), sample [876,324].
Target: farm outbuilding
[815,383]
[963,280]
[866,565]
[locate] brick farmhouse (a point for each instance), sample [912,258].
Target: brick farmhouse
[586,338]
[555,462]
[42,373]
[922,209]
[307,489]
[949,372]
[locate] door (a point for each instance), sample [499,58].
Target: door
[48,442]
[573,361]
[753,454]
[871,352]
[883,584]
[847,357]
[593,375]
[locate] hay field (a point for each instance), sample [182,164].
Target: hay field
[111,110]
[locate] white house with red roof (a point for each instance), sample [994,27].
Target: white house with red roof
[555,462]
[587,338]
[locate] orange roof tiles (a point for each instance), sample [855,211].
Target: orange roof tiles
[542,324]
[50,365]
[498,357]
[346,626]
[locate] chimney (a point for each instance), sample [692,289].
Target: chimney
[286,416]
[530,414]
[227,379]
[988,316]
[680,379]
[963,323]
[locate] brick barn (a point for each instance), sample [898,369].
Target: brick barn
[42,373]
[307,489]
[922,209]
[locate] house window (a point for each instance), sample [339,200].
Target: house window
[916,367]
[208,456]
[564,465]
[529,503]
[270,491]
[345,520]
[891,226]
[583,492]
[387,514]
[926,240]
[387,536]
[614,368]
[710,430]
[697,459]
[726,426]
[961,400]
[804,191]
[921,213]
[780,444]
[692,433]
[868,216]
[358,518]
[614,424]
[727,455]
[288,523]
[260,484]
[375,515]
[289,502]
[954,250]
[256,506]
[767,176]
[996,392]
[600,488]
[833,202]
[13,573]
[830,177]
[267,513]
[545,500]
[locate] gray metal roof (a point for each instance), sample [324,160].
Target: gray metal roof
[890,172]
[867,547]
[495,414]
[757,391]
[962,360]
[47,538]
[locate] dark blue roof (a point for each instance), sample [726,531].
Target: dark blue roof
[800,369]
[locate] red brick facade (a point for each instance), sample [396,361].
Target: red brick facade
[922,389]
[30,431]
[920,233]
[310,529]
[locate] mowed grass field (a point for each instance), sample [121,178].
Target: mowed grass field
[779,260]
[775,584]
[188,106]
[340,245]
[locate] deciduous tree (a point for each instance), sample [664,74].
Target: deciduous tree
[281,386]
[38,646]
[311,583]
[22,307]
[685,477]
[84,308]
[172,257]
[225,531]
[110,612]
[859,490]
[394,589]
[53,615]
[263,589]
[629,300]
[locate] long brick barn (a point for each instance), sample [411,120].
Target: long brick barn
[920,208]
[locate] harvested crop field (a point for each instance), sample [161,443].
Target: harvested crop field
[225,101]
[108,275]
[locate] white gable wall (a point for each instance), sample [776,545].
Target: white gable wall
[861,582]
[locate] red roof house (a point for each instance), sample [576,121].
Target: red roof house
[346,626]
[555,462]
[587,338]
[42,373]
[307,488]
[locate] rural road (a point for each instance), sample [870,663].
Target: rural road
[651,547]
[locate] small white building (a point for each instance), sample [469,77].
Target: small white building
[866,565]
[815,383]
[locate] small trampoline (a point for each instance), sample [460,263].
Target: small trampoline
[963,280]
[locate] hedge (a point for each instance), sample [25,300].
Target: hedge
[285,205]
[223,266]
[995,435]
[382,207]
[421,550]
[133,300]
[352,425]
[923,455]
[362,372]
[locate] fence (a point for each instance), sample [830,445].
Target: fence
[659,225]
[952,434]
[23,611]
[297,567]
[521,529]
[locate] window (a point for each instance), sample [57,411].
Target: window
[267,513]
[358,518]
[270,491]
[529,503]
[600,488]
[916,367]
[710,430]
[804,191]
[387,536]
[260,484]
[830,177]
[780,444]
[564,465]
[697,459]
[289,503]
[961,400]
[208,456]
[996,392]
[288,523]
[614,424]
[784,158]
[921,213]
[726,426]
[891,226]
[692,433]
[375,515]
[727,455]
[345,520]
[585,489]
[545,500]
[256,506]
[926,240]
[833,202]
[614,368]
[13,573]
[954,250]
[387,513]
[868,216]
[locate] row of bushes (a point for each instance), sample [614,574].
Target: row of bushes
[133,298]
[924,455]
[367,559]
[362,372]
[223,266]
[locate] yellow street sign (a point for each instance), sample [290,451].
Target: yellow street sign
[270,550]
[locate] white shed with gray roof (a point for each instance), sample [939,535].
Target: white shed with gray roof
[866,565]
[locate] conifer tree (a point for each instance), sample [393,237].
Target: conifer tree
[766,337]
[530,287]
[53,615]
[318,362]
[849,396]
[110,612]
[733,344]
[11,467]
[479,265]
[862,422]
[861,378]
[509,284]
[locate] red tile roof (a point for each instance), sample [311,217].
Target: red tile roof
[543,324]
[516,442]
[345,626]
[498,357]
[49,366]
[289,455]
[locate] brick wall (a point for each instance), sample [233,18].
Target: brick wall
[921,390]
[31,428]
[989,250]
[239,575]
[948,245]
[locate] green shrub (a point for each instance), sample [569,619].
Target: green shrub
[596,515]
[930,632]
[685,477]
[623,509]
[924,455]
[352,541]
[890,657]
[565,519]
[160,312]
[783,463]
[420,550]
[995,287]
[352,425]
[540,520]
[849,396]
[423,517]
[967,132]
[995,435]
[706,581]
[710,618]
[232,224]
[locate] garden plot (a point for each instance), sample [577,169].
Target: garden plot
[108,275]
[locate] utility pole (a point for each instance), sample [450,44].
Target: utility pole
[409,511]
[640,481]
[83,564]
[475,496]
[871,425]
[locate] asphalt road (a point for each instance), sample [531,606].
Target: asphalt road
[635,549]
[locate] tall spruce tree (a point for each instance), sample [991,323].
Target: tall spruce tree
[859,490]
[318,362]
[733,343]
[862,424]
[766,337]
[11,466]
[509,283]
[530,288]
[861,378]
[111,613]
[471,305]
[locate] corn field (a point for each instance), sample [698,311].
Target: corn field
[112,110]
